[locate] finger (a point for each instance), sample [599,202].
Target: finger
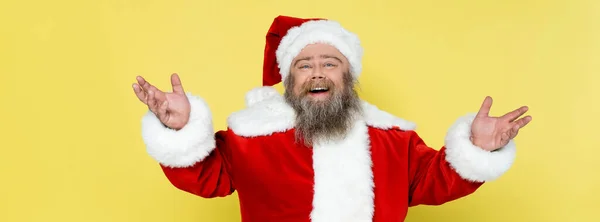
[511,116]
[176,84]
[514,131]
[152,102]
[145,84]
[162,111]
[505,137]
[523,121]
[484,110]
[141,81]
[141,94]
[159,95]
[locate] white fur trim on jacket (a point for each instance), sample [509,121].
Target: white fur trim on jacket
[184,147]
[471,162]
[267,113]
[343,178]
[319,31]
[380,119]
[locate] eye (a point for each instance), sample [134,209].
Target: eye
[330,64]
[305,66]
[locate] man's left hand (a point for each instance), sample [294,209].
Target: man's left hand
[491,133]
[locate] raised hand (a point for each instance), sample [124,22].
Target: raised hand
[492,133]
[173,109]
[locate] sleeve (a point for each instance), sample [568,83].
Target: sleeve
[458,169]
[194,158]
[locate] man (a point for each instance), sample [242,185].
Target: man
[319,153]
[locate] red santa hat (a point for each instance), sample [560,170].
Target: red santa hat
[287,36]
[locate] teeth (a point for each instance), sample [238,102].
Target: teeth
[314,89]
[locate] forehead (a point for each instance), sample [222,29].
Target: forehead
[318,49]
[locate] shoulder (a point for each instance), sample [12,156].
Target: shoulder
[267,112]
[382,120]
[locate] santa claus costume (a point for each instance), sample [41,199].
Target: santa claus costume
[380,169]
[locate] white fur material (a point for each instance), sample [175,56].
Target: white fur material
[471,162]
[343,179]
[260,94]
[319,31]
[268,113]
[383,120]
[184,147]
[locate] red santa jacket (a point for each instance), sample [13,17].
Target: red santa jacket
[375,174]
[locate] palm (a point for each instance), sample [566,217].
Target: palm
[173,109]
[177,111]
[491,133]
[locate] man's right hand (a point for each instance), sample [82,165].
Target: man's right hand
[172,109]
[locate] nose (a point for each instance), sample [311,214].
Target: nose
[317,74]
[317,77]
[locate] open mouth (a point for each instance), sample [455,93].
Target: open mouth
[318,90]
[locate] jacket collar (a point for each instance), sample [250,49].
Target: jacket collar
[267,112]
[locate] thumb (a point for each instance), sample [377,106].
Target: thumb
[176,84]
[484,110]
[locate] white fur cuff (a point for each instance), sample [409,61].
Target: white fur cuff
[184,147]
[471,162]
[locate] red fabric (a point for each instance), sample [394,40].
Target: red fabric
[274,177]
[209,178]
[408,173]
[279,28]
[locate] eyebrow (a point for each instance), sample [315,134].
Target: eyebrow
[331,56]
[303,58]
[322,56]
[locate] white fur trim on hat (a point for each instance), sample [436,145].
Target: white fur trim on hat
[319,31]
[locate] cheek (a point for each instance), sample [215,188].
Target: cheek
[298,86]
[297,90]
[338,80]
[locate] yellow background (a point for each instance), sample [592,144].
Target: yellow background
[71,143]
